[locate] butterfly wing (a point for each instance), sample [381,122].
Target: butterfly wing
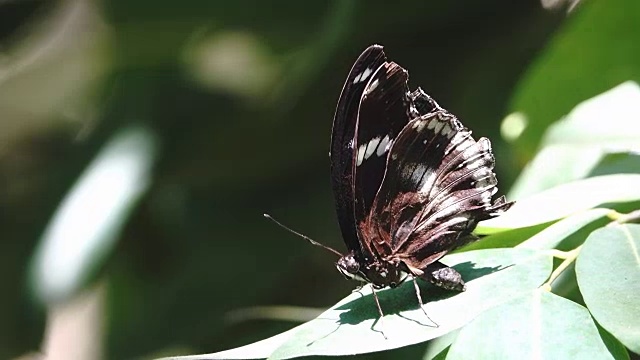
[438,185]
[384,112]
[343,139]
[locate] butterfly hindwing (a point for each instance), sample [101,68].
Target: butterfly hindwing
[438,185]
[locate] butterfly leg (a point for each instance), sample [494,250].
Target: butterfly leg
[415,285]
[444,277]
[375,296]
[359,287]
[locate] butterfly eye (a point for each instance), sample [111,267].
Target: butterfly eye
[349,264]
[353,267]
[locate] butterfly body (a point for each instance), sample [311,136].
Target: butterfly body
[380,273]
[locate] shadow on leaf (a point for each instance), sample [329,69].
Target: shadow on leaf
[403,298]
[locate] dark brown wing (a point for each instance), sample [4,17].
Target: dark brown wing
[438,185]
[343,139]
[384,112]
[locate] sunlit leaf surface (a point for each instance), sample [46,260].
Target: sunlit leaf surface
[573,146]
[608,271]
[352,326]
[566,199]
[540,325]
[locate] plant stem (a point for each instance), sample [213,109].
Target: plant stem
[569,257]
[620,218]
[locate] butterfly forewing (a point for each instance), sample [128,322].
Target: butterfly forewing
[384,112]
[342,141]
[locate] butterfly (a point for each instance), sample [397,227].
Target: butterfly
[410,182]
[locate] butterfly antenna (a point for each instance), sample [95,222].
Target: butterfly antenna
[302,236]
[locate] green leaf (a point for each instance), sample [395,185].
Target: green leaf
[564,200]
[614,345]
[540,325]
[87,224]
[542,236]
[441,355]
[438,347]
[552,236]
[493,276]
[608,272]
[258,350]
[503,239]
[618,163]
[595,50]
[574,146]
[352,326]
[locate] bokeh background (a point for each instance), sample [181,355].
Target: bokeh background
[221,111]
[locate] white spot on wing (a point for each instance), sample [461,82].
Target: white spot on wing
[371,147]
[374,84]
[419,124]
[428,182]
[363,76]
[447,131]
[459,219]
[483,182]
[486,197]
[477,163]
[437,126]
[360,154]
[383,146]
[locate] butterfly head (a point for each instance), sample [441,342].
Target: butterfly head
[349,266]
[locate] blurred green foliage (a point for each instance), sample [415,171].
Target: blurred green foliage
[241,96]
